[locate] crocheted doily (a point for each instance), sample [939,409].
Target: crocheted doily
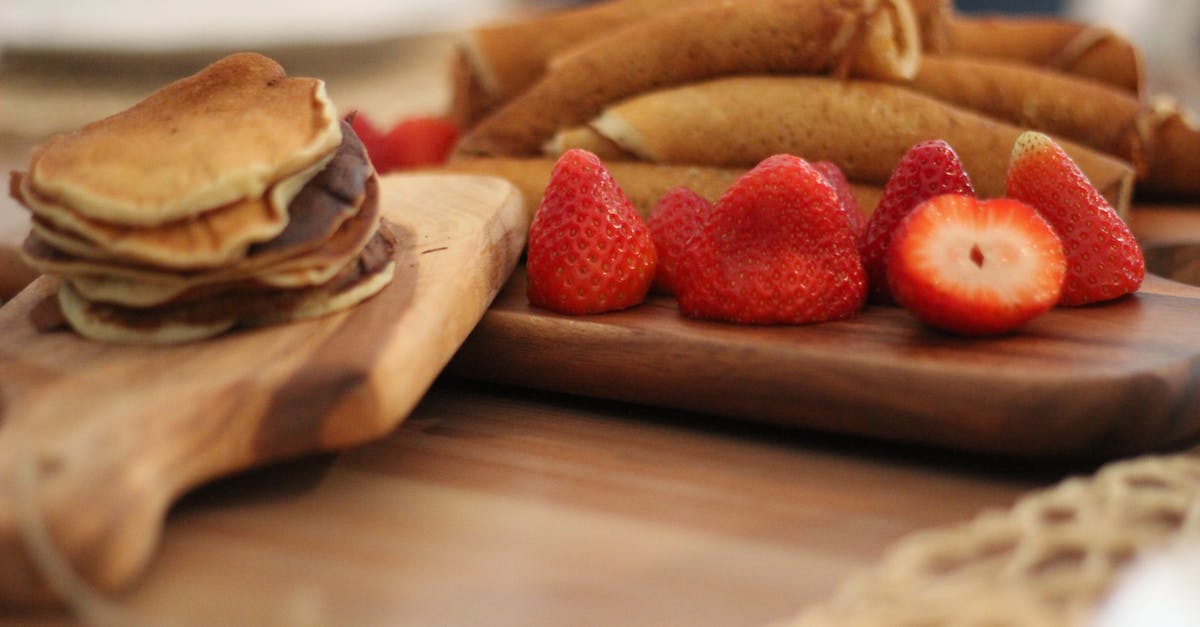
[1049,560]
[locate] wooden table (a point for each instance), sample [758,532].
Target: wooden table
[502,506]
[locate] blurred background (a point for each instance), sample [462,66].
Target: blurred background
[64,63]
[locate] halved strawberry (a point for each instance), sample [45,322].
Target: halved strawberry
[928,169]
[1104,260]
[975,267]
[776,249]
[674,220]
[837,178]
[589,250]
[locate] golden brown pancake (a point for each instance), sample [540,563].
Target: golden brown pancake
[224,134]
[289,261]
[212,238]
[201,318]
[863,127]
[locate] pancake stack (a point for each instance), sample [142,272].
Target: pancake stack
[680,91]
[233,196]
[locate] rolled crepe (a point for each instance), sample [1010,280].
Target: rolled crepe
[1174,154]
[708,38]
[1075,48]
[500,60]
[643,183]
[933,20]
[1083,110]
[864,127]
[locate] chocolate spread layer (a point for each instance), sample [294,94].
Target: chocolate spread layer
[246,301]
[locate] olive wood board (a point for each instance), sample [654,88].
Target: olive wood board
[97,440]
[1087,382]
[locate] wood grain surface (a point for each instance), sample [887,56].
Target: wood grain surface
[502,506]
[1099,381]
[113,434]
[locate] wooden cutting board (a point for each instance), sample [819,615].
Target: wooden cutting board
[1097,382]
[97,440]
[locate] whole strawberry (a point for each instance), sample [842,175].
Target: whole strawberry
[589,250]
[775,249]
[1104,260]
[975,267]
[928,169]
[837,178]
[674,220]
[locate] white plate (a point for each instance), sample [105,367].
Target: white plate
[164,26]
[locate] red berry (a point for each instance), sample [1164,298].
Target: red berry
[420,142]
[411,143]
[975,267]
[1104,260]
[837,178]
[371,138]
[673,221]
[928,169]
[776,248]
[589,250]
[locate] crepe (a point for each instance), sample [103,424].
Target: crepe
[1087,111]
[225,134]
[643,183]
[1074,48]
[498,61]
[863,127]
[1174,153]
[706,39]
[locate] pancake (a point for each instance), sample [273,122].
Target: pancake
[220,236]
[225,134]
[705,39]
[212,238]
[864,127]
[284,262]
[202,318]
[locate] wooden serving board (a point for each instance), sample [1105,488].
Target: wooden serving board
[1099,381]
[97,440]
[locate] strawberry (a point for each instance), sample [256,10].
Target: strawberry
[370,136]
[410,143]
[673,221]
[837,178]
[775,249]
[589,250]
[928,169]
[975,267]
[419,142]
[1103,258]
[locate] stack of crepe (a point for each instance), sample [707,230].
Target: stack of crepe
[235,195]
[694,92]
